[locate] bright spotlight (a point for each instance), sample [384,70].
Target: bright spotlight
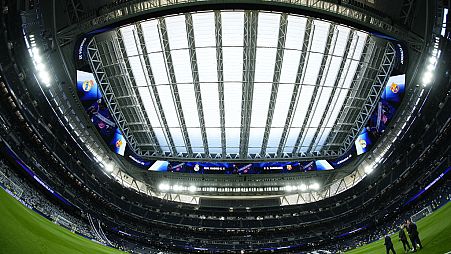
[431,67]
[37,59]
[369,169]
[288,188]
[35,51]
[40,67]
[192,188]
[109,168]
[177,187]
[378,159]
[302,187]
[427,77]
[432,60]
[314,186]
[45,78]
[163,187]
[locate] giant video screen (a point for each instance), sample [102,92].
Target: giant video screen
[92,100]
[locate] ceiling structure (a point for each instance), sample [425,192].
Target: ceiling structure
[240,84]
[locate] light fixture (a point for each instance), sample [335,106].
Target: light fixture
[302,187]
[177,187]
[192,188]
[164,187]
[314,186]
[369,169]
[44,77]
[109,167]
[427,77]
[35,53]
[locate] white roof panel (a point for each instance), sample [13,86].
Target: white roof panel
[204,28]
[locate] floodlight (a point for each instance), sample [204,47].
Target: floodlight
[369,169]
[192,188]
[35,51]
[177,187]
[302,187]
[288,188]
[314,186]
[378,159]
[164,187]
[40,67]
[37,58]
[427,77]
[109,167]
[44,77]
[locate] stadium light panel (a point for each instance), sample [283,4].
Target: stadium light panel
[192,189]
[164,187]
[443,30]
[44,77]
[177,187]
[109,168]
[369,169]
[314,186]
[427,77]
[42,73]
[302,187]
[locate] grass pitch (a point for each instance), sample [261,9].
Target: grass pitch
[435,235]
[24,231]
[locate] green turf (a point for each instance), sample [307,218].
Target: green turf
[24,231]
[435,235]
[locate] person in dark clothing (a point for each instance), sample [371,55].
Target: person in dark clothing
[403,239]
[412,230]
[389,245]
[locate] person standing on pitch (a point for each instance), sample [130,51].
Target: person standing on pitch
[403,239]
[412,230]
[389,245]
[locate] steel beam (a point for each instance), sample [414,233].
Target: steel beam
[249,55]
[377,86]
[341,71]
[220,64]
[195,74]
[173,82]
[135,95]
[150,80]
[298,84]
[367,54]
[407,10]
[276,78]
[101,77]
[318,88]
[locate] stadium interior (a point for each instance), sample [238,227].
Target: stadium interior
[223,126]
